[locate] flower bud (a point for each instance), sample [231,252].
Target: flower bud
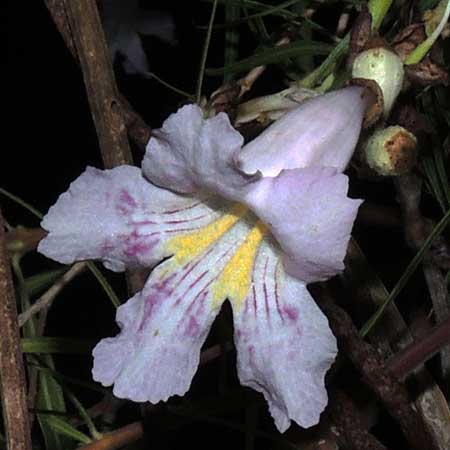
[391,151]
[384,67]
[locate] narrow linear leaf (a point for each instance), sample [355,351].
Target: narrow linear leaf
[201,72]
[104,284]
[65,379]
[62,427]
[36,284]
[56,345]
[273,55]
[317,75]
[412,266]
[49,393]
[21,202]
[232,13]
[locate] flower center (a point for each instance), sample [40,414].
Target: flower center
[234,280]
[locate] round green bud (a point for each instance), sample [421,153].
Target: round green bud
[391,151]
[385,68]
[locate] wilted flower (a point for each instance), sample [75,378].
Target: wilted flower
[253,225]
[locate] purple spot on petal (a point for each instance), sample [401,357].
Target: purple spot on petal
[136,249]
[127,199]
[291,312]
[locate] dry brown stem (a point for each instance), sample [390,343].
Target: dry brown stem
[118,107]
[376,375]
[12,375]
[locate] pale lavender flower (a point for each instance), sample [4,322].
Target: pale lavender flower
[252,224]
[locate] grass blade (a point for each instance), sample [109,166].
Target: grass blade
[273,55]
[412,266]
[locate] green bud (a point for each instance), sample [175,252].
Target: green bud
[385,68]
[391,151]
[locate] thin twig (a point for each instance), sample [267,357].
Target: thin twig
[101,89]
[104,98]
[409,189]
[12,374]
[137,129]
[376,375]
[45,301]
[117,439]
[351,432]
[419,352]
[391,335]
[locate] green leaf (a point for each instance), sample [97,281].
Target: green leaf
[378,9]
[201,72]
[273,55]
[104,284]
[49,394]
[61,427]
[327,67]
[36,284]
[63,379]
[56,345]
[412,266]
[427,4]
[21,202]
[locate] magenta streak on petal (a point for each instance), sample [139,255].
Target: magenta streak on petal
[175,222]
[160,291]
[192,327]
[203,289]
[137,245]
[266,299]
[255,305]
[178,230]
[190,266]
[277,300]
[144,222]
[203,293]
[174,211]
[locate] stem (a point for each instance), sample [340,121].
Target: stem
[12,379]
[101,89]
[417,353]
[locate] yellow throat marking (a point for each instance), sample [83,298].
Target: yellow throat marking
[187,247]
[235,279]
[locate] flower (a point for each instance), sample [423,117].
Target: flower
[252,224]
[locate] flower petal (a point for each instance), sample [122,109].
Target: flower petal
[163,328]
[311,217]
[119,217]
[284,344]
[190,153]
[321,131]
